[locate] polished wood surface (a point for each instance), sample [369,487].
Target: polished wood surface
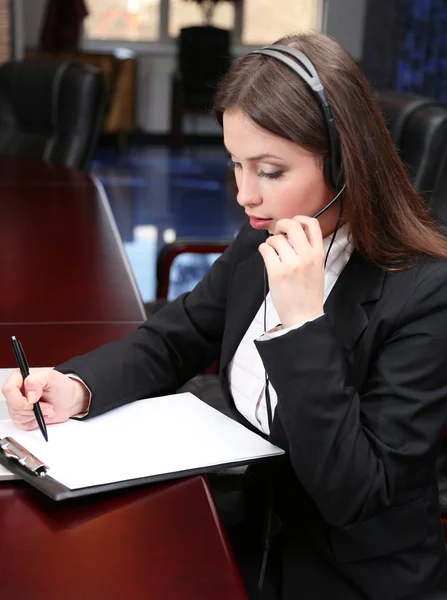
[19,171]
[47,345]
[158,543]
[66,289]
[62,257]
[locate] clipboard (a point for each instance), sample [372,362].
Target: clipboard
[242,447]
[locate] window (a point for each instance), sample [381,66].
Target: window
[253,22]
[265,21]
[130,20]
[183,14]
[5,31]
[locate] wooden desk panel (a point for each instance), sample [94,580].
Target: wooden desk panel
[157,543]
[62,257]
[47,345]
[29,172]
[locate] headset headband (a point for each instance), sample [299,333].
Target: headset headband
[303,67]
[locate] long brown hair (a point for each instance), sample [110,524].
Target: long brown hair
[389,222]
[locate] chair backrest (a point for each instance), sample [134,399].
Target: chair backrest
[418,127]
[51,110]
[203,58]
[200,255]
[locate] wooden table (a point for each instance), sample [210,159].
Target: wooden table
[162,543]
[62,257]
[67,288]
[50,344]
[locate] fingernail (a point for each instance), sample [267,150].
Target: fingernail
[31,397]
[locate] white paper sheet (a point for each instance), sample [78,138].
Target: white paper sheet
[149,437]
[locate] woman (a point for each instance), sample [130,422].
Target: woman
[349,377]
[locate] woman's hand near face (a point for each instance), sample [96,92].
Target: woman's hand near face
[295,268]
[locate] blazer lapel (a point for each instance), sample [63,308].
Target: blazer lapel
[248,286]
[359,283]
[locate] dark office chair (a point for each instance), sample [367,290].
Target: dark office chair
[432,596]
[165,261]
[170,252]
[51,110]
[203,57]
[438,200]
[418,127]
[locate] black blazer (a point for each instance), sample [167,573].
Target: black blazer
[361,410]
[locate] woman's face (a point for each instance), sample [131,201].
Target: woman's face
[276,178]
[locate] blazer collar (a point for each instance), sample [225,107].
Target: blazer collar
[359,283]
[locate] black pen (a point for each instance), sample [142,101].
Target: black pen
[24,370]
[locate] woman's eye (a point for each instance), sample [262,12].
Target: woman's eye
[233,165]
[275,175]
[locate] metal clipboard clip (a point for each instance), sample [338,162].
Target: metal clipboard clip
[14,450]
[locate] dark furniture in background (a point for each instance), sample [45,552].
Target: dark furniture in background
[119,69]
[203,57]
[170,252]
[51,110]
[418,127]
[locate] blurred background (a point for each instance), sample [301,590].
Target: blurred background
[158,154]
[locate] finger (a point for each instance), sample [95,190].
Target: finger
[270,258]
[29,425]
[20,421]
[12,391]
[36,384]
[23,421]
[312,229]
[294,232]
[46,408]
[283,248]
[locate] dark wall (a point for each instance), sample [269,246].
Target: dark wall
[405,46]
[381,43]
[422,63]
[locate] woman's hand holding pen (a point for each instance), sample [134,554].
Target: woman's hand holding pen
[60,397]
[295,268]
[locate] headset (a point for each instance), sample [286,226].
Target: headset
[302,66]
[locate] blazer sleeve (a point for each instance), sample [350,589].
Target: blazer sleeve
[167,350]
[358,451]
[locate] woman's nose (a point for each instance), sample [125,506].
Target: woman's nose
[248,191]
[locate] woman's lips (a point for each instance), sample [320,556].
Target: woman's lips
[259,223]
